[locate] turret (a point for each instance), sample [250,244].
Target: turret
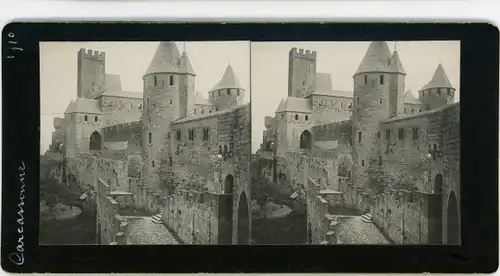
[397,77]
[301,72]
[168,89]
[438,92]
[372,86]
[91,73]
[228,92]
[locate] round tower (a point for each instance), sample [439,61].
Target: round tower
[438,92]
[168,85]
[228,91]
[371,106]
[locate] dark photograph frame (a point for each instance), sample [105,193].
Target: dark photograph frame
[479,78]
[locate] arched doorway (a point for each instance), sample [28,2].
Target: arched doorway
[95,141]
[453,231]
[438,184]
[243,220]
[226,212]
[306,140]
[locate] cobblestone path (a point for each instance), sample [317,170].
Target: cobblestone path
[352,230]
[145,231]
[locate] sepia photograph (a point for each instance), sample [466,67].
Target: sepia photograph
[145,143]
[356,142]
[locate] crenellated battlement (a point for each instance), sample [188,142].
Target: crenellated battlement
[303,54]
[92,54]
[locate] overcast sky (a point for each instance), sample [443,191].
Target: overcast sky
[130,60]
[269,73]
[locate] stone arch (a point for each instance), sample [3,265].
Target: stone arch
[226,212]
[453,225]
[243,220]
[95,141]
[438,184]
[306,140]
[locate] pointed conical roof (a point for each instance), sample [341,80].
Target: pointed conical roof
[439,80]
[229,80]
[186,64]
[376,59]
[410,98]
[165,60]
[395,65]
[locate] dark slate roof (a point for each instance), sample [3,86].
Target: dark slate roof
[395,65]
[200,100]
[82,105]
[376,58]
[410,98]
[166,59]
[293,104]
[229,80]
[439,80]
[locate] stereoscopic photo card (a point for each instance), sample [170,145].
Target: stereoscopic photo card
[250,147]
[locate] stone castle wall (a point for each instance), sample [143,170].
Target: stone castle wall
[193,216]
[327,109]
[118,110]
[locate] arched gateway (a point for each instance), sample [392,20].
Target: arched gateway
[243,220]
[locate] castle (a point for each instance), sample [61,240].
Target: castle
[378,149]
[169,150]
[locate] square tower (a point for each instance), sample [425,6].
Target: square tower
[91,73]
[301,72]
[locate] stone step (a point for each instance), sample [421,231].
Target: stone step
[157,216]
[157,221]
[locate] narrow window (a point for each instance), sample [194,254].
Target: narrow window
[362,163]
[155,81]
[153,164]
[170,160]
[400,134]
[412,111]
[296,117]
[228,92]
[357,101]
[95,119]
[380,100]
[149,137]
[307,117]
[178,135]
[220,149]
[381,79]
[171,80]
[86,118]
[238,92]
[366,79]
[415,133]
[380,160]
[359,137]
[170,101]
[378,134]
[388,134]
[210,111]
[147,102]
[195,111]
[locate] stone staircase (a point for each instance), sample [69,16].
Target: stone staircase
[367,218]
[157,219]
